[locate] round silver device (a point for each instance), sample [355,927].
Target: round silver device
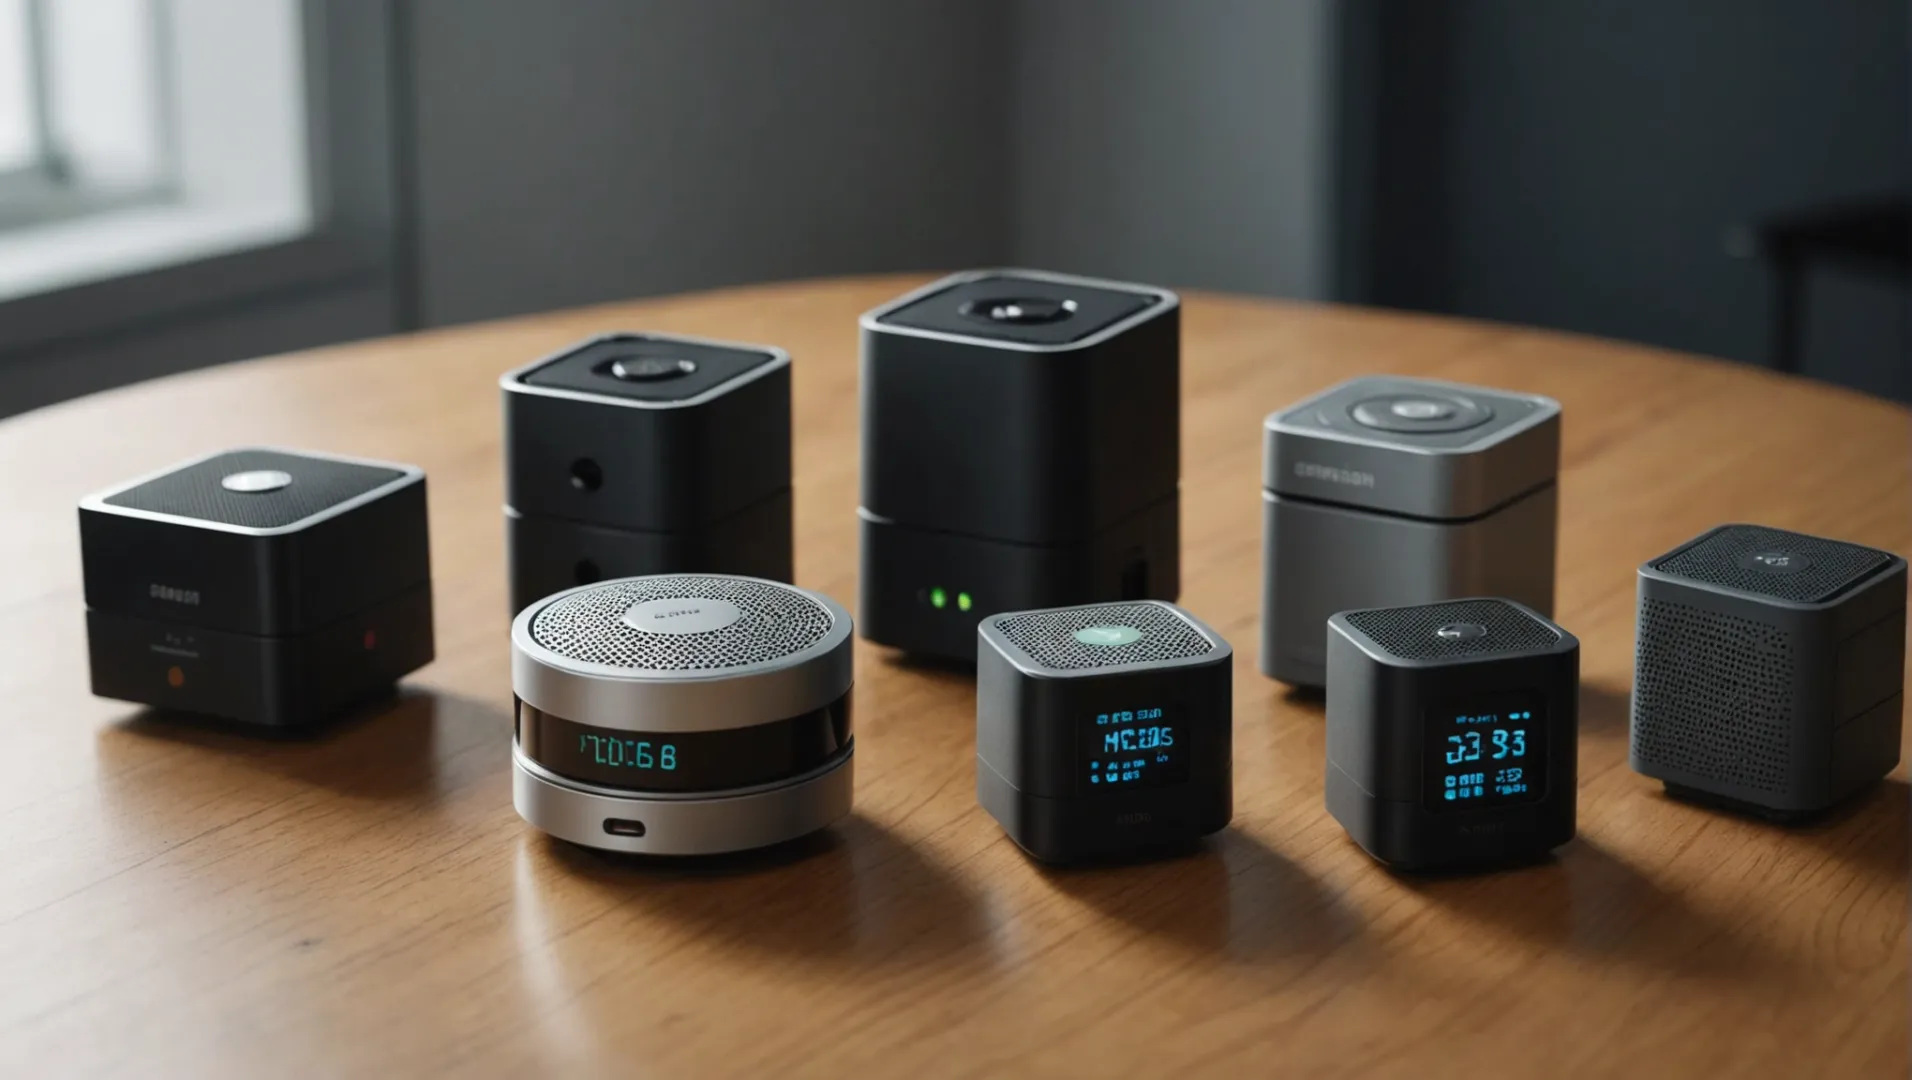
[682,714]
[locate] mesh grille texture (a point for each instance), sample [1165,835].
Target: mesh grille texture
[1409,632]
[1832,566]
[318,484]
[1712,696]
[1048,637]
[587,626]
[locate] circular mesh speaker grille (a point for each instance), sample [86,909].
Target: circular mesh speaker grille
[1048,637]
[587,626]
[1409,632]
[1712,696]
[1832,567]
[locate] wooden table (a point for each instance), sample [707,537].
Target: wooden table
[177,901]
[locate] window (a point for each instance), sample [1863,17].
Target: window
[139,134]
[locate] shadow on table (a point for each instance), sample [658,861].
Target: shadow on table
[1869,831]
[1604,710]
[1585,901]
[386,749]
[851,894]
[1228,897]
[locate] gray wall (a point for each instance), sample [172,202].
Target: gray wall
[1578,164]
[596,149]
[1180,143]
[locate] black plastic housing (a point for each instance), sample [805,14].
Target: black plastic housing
[607,477]
[1378,714]
[1763,703]
[1028,717]
[1028,465]
[278,625]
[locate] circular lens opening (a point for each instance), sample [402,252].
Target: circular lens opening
[585,475]
[1019,310]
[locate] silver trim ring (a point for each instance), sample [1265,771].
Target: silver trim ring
[632,700]
[708,825]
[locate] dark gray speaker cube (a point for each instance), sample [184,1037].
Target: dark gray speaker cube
[1385,491]
[271,587]
[633,454]
[1104,729]
[1021,442]
[1769,671]
[1453,732]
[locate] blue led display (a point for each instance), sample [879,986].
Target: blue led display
[627,753]
[1484,753]
[1132,748]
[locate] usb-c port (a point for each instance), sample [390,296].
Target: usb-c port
[618,826]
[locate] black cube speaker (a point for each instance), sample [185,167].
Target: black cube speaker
[1104,729]
[1769,669]
[638,454]
[272,587]
[1021,449]
[1453,732]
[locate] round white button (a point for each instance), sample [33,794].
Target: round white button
[256,481]
[682,615]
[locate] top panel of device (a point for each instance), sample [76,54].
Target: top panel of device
[257,490]
[1023,307]
[1419,413]
[658,368]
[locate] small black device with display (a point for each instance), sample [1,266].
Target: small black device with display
[1769,675]
[270,587]
[1452,732]
[1021,449]
[1103,729]
[646,454]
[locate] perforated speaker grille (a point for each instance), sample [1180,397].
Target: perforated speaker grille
[1727,558]
[318,484]
[587,626]
[1411,632]
[1048,637]
[1712,696]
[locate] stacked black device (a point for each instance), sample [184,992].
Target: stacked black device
[633,454]
[266,586]
[1021,449]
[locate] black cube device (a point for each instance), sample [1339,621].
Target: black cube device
[1103,729]
[272,587]
[1452,732]
[1769,671]
[634,454]
[1021,449]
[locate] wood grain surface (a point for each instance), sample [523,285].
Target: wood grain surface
[179,900]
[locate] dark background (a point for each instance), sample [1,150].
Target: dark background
[1614,167]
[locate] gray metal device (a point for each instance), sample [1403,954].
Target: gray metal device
[682,714]
[1769,675]
[1386,491]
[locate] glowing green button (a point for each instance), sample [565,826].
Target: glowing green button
[1108,635]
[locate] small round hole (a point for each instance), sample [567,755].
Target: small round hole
[585,475]
[586,572]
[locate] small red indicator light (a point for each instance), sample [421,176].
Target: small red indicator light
[371,640]
[175,677]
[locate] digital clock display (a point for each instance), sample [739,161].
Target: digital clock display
[1132,748]
[685,760]
[1490,751]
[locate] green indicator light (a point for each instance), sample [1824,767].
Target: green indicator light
[962,601]
[938,598]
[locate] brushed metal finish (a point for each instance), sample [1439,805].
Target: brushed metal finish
[703,825]
[633,700]
[1433,476]
[1319,559]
